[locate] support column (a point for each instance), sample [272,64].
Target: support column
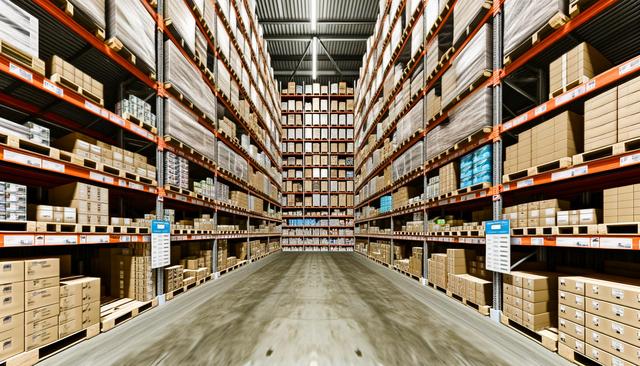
[159,275]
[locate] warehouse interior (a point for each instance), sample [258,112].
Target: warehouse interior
[390,182]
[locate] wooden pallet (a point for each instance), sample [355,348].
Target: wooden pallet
[169,24]
[175,189]
[539,169]
[61,80]
[18,226]
[171,88]
[135,120]
[117,46]
[556,21]
[607,151]
[170,140]
[570,85]
[88,228]
[475,187]
[578,6]
[482,11]
[81,18]
[36,355]
[482,309]
[479,79]
[56,227]
[120,311]
[33,147]
[577,229]
[438,288]
[575,357]
[23,59]
[406,273]
[619,228]
[548,338]
[123,229]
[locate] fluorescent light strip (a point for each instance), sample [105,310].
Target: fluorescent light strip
[314,61]
[313,19]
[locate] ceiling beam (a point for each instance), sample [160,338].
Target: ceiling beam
[319,73]
[319,21]
[327,37]
[321,57]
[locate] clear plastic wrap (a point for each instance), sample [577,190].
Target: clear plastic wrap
[182,124]
[187,79]
[181,19]
[524,17]
[433,56]
[18,28]
[468,65]
[408,161]
[463,14]
[94,9]
[470,115]
[432,11]
[130,22]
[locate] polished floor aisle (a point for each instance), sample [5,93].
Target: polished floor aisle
[310,309]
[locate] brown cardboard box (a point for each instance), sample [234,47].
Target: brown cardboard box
[570,313]
[40,325]
[575,330]
[614,346]
[12,298]
[41,268]
[41,338]
[39,298]
[11,271]
[539,307]
[573,284]
[12,342]
[539,321]
[614,292]
[41,313]
[10,322]
[570,299]
[571,342]
[604,358]
[613,329]
[41,283]
[615,312]
[90,314]
[601,120]
[72,326]
[539,281]
[70,314]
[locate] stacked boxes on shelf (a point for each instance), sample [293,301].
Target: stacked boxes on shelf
[536,213]
[574,67]
[136,108]
[29,131]
[448,178]
[176,170]
[66,74]
[137,36]
[79,304]
[173,278]
[622,204]
[475,167]
[13,202]
[530,299]
[91,202]
[42,301]
[20,30]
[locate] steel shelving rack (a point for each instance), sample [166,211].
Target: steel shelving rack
[34,96]
[591,23]
[318,212]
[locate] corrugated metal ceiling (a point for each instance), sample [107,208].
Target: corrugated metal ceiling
[287,30]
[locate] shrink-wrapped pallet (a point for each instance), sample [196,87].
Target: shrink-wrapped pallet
[94,9]
[201,46]
[524,17]
[130,23]
[469,116]
[417,36]
[184,77]
[464,12]
[19,28]
[432,11]
[474,60]
[433,57]
[182,124]
[178,16]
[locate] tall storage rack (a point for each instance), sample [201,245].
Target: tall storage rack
[248,102]
[317,150]
[517,83]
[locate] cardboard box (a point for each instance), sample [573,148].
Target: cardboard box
[12,342]
[575,330]
[11,271]
[40,325]
[41,268]
[41,313]
[539,321]
[570,313]
[570,299]
[614,329]
[616,312]
[41,283]
[10,322]
[614,346]
[41,338]
[39,298]
[573,284]
[571,342]
[72,326]
[12,296]
[614,292]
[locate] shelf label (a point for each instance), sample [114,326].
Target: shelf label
[20,72]
[630,159]
[539,110]
[52,165]
[616,243]
[562,241]
[537,241]
[104,113]
[117,119]
[629,66]
[567,97]
[124,238]
[136,186]
[100,177]
[524,183]
[18,240]
[160,243]
[592,84]
[92,107]
[569,173]
[94,239]
[498,245]
[53,88]
[22,159]
[60,239]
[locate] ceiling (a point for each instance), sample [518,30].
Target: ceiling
[343,27]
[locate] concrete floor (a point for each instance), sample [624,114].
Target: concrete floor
[310,309]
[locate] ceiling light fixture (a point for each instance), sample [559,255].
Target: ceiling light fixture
[313,18]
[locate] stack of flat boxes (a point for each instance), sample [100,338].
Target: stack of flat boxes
[79,304]
[601,120]
[38,134]
[401,197]
[576,66]
[448,178]
[622,204]
[534,214]
[70,74]
[588,216]
[131,274]
[173,277]
[91,202]
[137,108]
[415,261]
[41,301]
[629,110]
[222,255]
[600,318]
[13,202]
[379,251]
[12,309]
[438,270]
[556,138]
[240,199]
[176,170]
[44,213]
[433,187]
[227,126]
[529,299]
